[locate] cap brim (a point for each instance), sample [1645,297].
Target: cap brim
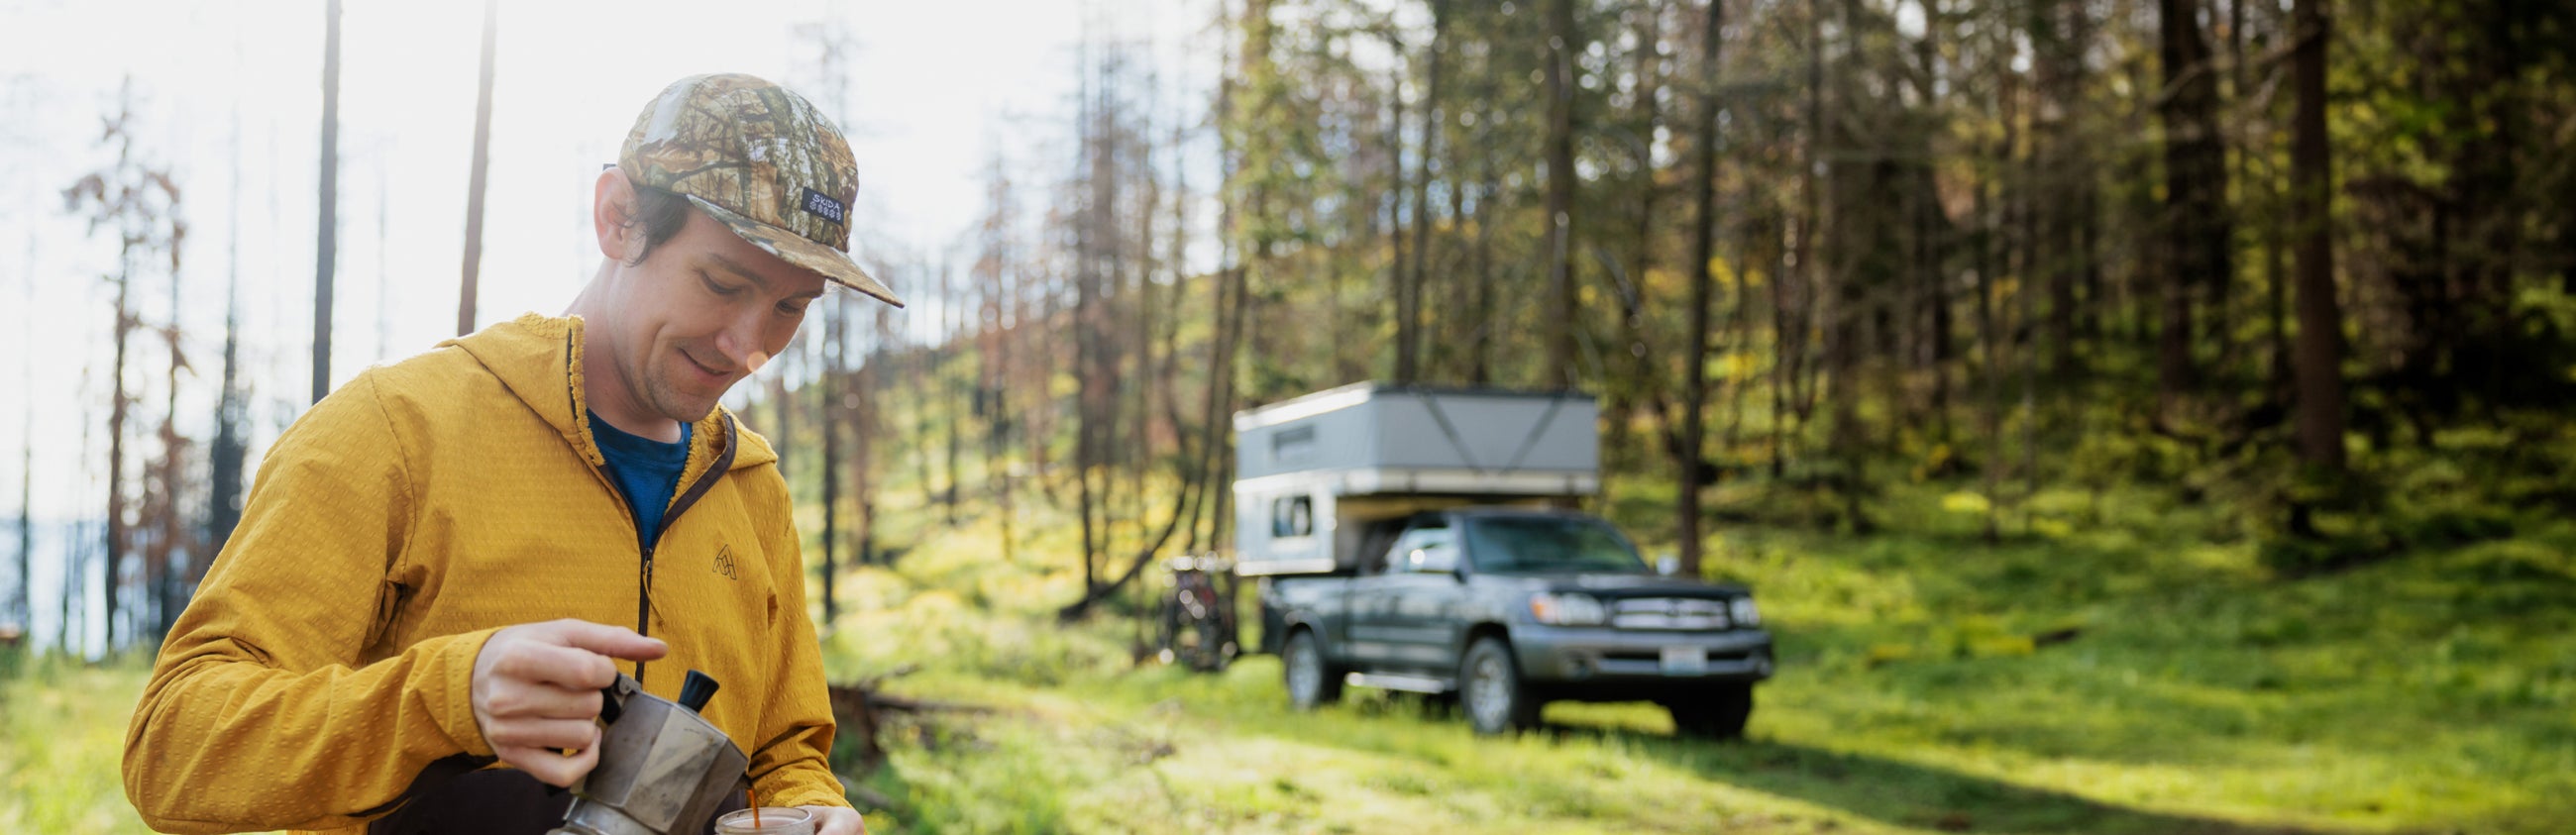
[795,249]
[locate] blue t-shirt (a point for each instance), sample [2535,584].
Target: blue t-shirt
[646,470]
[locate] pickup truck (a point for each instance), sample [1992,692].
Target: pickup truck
[1508,608]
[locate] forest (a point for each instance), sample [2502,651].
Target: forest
[2276,261]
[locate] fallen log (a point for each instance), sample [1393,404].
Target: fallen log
[861,708]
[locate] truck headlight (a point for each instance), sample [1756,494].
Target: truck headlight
[1742,612]
[1567,609]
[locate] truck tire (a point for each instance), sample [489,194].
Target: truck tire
[1718,713]
[1312,680]
[1491,691]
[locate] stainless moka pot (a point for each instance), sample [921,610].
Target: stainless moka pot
[663,769]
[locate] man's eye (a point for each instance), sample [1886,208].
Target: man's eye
[716,288]
[791,308]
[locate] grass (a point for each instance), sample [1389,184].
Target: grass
[2427,693]
[62,735]
[2105,669]
[2112,666]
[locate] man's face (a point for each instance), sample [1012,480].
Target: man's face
[703,310]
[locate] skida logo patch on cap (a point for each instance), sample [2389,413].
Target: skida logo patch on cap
[817,203]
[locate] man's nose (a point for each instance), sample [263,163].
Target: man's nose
[740,341]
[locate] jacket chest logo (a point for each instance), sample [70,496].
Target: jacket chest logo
[724,561]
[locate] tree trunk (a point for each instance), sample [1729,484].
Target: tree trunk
[474,183]
[949,296]
[827,388]
[1409,307]
[160,583]
[119,198]
[1990,407]
[223,501]
[26,609]
[867,420]
[327,253]
[1000,311]
[1399,276]
[114,542]
[2321,396]
[1703,250]
[1563,309]
[2197,233]
[920,370]
[1480,364]
[1792,311]
[2067,173]
[1649,391]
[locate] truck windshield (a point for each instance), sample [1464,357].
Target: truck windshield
[1545,544]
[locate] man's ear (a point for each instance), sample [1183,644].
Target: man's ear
[612,208]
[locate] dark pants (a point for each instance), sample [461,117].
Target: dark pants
[493,801]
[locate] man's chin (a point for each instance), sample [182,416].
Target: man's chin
[687,408]
[693,414]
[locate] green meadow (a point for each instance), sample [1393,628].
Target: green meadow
[2107,666]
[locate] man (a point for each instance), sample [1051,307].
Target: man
[438,564]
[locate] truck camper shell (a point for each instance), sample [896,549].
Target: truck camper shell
[1318,474]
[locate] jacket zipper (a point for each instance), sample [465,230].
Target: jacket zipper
[644,582]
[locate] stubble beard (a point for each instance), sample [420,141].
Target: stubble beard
[665,395]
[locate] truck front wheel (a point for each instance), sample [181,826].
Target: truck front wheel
[1312,681]
[1490,688]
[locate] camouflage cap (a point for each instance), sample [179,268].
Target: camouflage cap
[762,160]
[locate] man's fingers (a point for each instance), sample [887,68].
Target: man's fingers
[611,641]
[550,734]
[834,820]
[556,664]
[549,766]
[541,701]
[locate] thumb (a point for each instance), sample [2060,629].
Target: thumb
[611,641]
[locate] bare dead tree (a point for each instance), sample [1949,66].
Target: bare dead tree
[140,203]
[326,256]
[27,449]
[466,291]
[224,495]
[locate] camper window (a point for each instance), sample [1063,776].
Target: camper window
[1292,516]
[1293,445]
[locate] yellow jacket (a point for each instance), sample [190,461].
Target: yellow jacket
[325,660]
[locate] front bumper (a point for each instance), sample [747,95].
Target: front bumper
[1606,663]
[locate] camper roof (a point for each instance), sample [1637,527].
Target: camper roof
[1338,397]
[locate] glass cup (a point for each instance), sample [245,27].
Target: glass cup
[774,820]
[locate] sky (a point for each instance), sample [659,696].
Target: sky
[936,91]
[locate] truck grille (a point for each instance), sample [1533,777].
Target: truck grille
[1669,613]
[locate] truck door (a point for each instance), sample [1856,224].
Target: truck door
[1406,612]
[1431,611]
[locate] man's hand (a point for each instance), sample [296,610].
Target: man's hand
[837,820]
[536,692]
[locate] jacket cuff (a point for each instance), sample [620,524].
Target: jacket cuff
[805,787]
[453,692]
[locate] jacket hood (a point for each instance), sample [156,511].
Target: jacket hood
[539,359]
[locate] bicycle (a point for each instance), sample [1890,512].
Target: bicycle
[1196,616]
